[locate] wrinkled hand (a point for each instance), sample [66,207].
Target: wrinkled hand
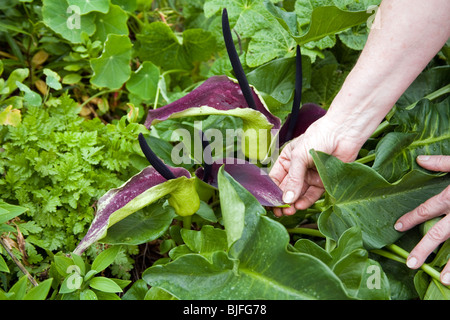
[294,170]
[433,207]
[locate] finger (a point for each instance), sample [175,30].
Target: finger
[309,198]
[295,177]
[433,207]
[445,274]
[434,163]
[433,238]
[281,167]
[277,212]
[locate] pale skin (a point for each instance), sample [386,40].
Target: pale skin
[408,36]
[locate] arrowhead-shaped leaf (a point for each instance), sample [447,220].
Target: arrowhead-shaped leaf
[425,129]
[358,196]
[258,264]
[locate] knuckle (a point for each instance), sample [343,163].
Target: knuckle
[422,211]
[437,233]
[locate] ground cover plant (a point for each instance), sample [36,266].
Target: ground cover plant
[90,92]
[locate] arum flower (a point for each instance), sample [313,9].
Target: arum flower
[221,95]
[160,180]
[148,186]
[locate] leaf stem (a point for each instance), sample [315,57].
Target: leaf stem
[187,220]
[306,231]
[380,129]
[366,159]
[95,96]
[18,263]
[425,267]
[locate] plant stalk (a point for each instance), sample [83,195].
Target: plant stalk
[366,159]
[306,231]
[18,263]
[187,220]
[425,267]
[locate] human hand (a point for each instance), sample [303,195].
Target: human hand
[433,207]
[294,170]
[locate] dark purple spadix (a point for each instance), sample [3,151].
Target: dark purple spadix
[154,160]
[308,113]
[235,62]
[292,122]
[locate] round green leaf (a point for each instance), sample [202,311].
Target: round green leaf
[113,22]
[67,21]
[90,5]
[112,68]
[144,82]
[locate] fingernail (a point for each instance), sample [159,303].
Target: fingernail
[446,278]
[398,226]
[424,158]
[288,197]
[411,263]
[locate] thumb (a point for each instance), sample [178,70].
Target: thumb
[434,163]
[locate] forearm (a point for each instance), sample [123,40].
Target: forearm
[410,34]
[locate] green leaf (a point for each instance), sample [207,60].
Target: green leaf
[421,130]
[88,294]
[258,265]
[3,265]
[52,79]
[10,116]
[426,83]
[160,45]
[326,81]
[87,6]
[358,196]
[326,20]
[144,81]
[40,292]
[67,21]
[247,17]
[19,288]
[280,84]
[233,210]
[71,78]
[105,258]
[18,75]
[205,241]
[104,284]
[112,68]
[63,264]
[32,98]
[137,291]
[9,211]
[79,262]
[143,226]
[113,22]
